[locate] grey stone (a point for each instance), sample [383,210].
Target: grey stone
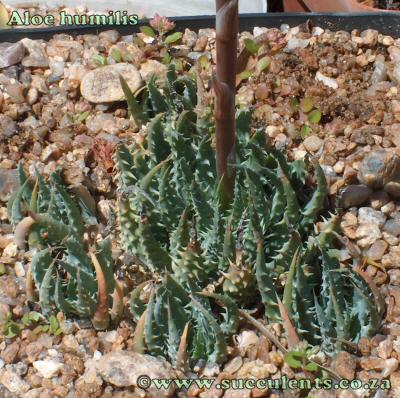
[152,67]
[16,92]
[393,188]
[189,38]
[11,54]
[9,183]
[367,215]
[180,50]
[13,382]
[295,43]
[313,143]
[37,57]
[103,84]
[8,127]
[392,227]
[355,195]
[379,168]
[367,234]
[370,37]
[111,36]
[377,250]
[122,369]
[48,368]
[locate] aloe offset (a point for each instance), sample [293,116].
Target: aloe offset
[69,275]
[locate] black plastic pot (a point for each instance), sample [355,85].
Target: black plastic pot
[386,23]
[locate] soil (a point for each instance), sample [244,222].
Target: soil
[383,4]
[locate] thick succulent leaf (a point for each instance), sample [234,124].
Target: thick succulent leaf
[177,290]
[24,180]
[44,194]
[152,333]
[205,174]
[57,230]
[137,306]
[168,203]
[266,286]
[220,348]
[70,208]
[59,298]
[104,256]
[158,146]
[17,203]
[46,290]
[177,319]
[156,256]
[87,300]
[135,110]
[231,316]
[126,166]
[157,99]
[41,262]
[181,236]
[316,203]
[292,205]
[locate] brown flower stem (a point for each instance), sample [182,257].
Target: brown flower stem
[227,27]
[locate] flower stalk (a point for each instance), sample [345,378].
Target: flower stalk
[224,83]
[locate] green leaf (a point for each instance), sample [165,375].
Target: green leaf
[148,31]
[315,116]
[220,347]
[53,323]
[2,269]
[166,59]
[305,131]
[158,101]
[294,103]
[311,367]
[245,75]
[12,330]
[263,64]
[34,316]
[116,55]
[134,107]
[57,230]
[306,104]
[136,304]
[18,200]
[178,64]
[105,259]
[46,290]
[172,38]
[204,62]
[99,60]
[294,359]
[81,117]
[251,46]
[25,319]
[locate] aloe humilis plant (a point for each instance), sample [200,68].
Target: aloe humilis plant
[70,276]
[261,246]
